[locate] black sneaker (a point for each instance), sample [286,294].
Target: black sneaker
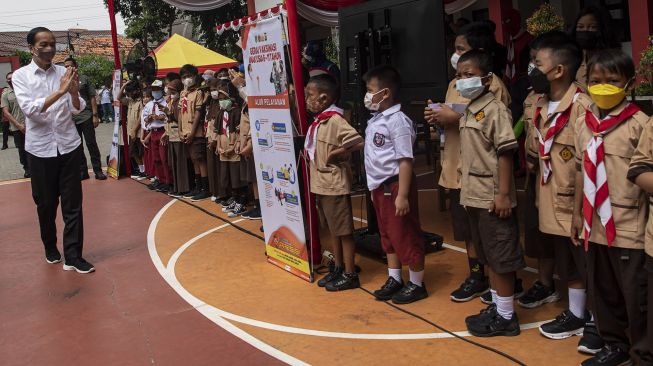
[27,175]
[346,281]
[484,316]
[155,183]
[494,325]
[591,342]
[518,293]
[609,356]
[253,214]
[228,208]
[228,202]
[163,188]
[175,194]
[200,196]
[221,200]
[237,210]
[191,194]
[141,176]
[53,257]
[410,293]
[564,326]
[538,295]
[80,266]
[389,288]
[332,275]
[471,288]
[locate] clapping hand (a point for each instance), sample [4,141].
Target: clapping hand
[66,80]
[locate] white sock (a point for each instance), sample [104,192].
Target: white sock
[577,301]
[416,277]
[505,306]
[141,168]
[592,317]
[395,273]
[494,295]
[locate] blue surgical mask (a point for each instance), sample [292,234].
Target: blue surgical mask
[157,94]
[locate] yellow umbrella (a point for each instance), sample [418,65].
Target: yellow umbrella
[177,51]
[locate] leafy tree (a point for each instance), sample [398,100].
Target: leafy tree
[204,23]
[24,56]
[148,21]
[97,69]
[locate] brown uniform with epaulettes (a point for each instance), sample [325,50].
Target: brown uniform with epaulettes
[212,158]
[229,160]
[177,152]
[617,272]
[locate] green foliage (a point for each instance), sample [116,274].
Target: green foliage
[205,21]
[645,70]
[24,56]
[97,69]
[331,50]
[148,21]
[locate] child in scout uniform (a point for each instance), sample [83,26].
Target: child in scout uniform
[131,95]
[177,154]
[640,172]
[389,139]
[144,136]
[191,131]
[248,165]
[476,283]
[227,125]
[488,192]
[610,211]
[550,139]
[328,145]
[212,108]
[155,118]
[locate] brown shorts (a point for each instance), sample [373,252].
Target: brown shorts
[496,240]
[335,214]
[230,175]
[135,148]
[571,262]
[535,244]
[198,149]
[459,218]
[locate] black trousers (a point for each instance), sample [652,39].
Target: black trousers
[5,133]
[86,132]
[617,284]
[53,178]
[19,141]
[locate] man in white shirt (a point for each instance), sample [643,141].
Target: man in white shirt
[48,95]
[107,107]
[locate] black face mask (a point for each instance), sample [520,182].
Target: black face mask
[539,82]
[587,40]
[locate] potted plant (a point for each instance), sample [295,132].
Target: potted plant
[644,90]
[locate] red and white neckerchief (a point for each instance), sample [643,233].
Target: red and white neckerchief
[596,195]
[225,124]
[184,104]
[311,136]
[546,142]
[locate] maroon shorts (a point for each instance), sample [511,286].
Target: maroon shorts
[399,234]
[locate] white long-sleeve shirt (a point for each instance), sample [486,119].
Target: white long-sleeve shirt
[152,108]
[53,131]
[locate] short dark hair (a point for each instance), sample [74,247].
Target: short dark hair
[71,59]
[9,73]
[613,60]
[548,37]
[327,84]
[173,76]
[481,58]
[564,50]
[188,69]
[31,35]
[478,35]
[387,75]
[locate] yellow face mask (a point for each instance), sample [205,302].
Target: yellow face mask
[606,96]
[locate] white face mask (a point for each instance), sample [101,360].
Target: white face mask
[188,82]
[215,94]
[454,60]
[531,67]
[368,101]
[470,88]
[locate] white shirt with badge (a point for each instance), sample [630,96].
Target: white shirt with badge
[389,137]
[51,132]
[152,107]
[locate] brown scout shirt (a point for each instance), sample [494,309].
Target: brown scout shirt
[191,101]
[172,126]
[332,179]
[228,144]
[629,202]
[134,112]
[642,162]
[486,132]
[209,121]
[555,200]
[450,157]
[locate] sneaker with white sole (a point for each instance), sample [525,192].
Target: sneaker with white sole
[237,210]
[53,257]
[563,326]
[229,207]
[80,265]
[538,295]
[253,214]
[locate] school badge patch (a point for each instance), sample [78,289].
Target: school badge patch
[379,139]
[566,154]
[479,116]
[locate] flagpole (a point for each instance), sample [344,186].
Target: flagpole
[118,66]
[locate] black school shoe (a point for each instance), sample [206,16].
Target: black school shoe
[53,257]
[201,196]
[518,293]
[491,324]
[389,289]
[483,316]
[471,288]
[538,295]
[564,326]
[332,275]
[609,356]
[410,293]
[591,342]
[163,188]
[346,281]
[80,266]
[192,193]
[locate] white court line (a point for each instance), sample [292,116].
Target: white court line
[219,316]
